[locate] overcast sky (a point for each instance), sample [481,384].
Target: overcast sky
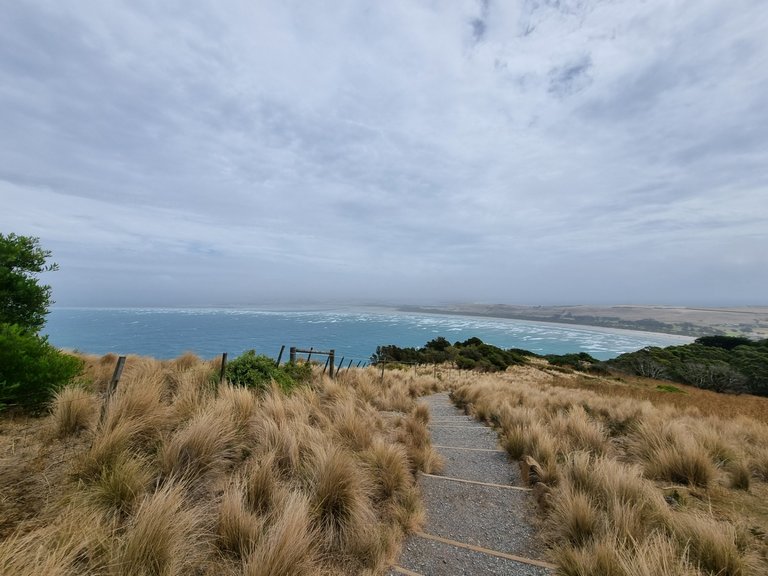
[517,151]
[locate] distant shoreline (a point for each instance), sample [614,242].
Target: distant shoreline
[668,320]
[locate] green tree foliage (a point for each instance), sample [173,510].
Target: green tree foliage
[724,342]
[23,300]
[31,370]
[719,363]
[259,371]
[472,354]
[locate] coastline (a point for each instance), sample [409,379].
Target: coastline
[691,323]
[683,339]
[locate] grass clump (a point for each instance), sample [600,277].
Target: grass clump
[73,410]
[162,538]
[288,546]
[340,500]
[207,443]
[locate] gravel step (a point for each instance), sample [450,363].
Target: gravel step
[465,437]
[431,558]
[484,516]
[492,467]
[467,514]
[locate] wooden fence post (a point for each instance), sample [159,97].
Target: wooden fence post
[223,371]
[292,355]
[112,386]
[116,376]
[331,361]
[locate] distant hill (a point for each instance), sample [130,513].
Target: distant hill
[749,321]
[719,363]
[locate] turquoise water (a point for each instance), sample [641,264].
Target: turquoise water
[353,333]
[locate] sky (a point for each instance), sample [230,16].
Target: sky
[233,152]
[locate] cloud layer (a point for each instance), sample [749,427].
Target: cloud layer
[538,151]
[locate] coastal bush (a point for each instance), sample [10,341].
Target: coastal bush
[31,370]
[259,371]
[472,354]
[717,363]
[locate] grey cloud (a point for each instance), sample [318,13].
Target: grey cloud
[398,151]
[570,78]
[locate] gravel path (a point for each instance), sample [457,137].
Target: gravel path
[471,528]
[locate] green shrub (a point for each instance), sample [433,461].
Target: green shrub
[298,372]
[31,370]
[472,354]
[258,371]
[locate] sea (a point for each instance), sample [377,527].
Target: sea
[353,333]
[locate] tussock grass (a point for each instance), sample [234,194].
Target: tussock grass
[288,547]
[73,410]
[580,431]
[713,546]
[56,548]
[574,516]
[237,404]
[260,486]
[207,443]
[121,485]
[758,464]
[655,556]
[340,502]
[635,487]
[240,526]
[178,474]
[107,447]
[351,426]
[669,452]
[281,443]
[162,538]
[595,558]
[389,469]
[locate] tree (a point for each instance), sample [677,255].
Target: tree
[23,300]
[31,370]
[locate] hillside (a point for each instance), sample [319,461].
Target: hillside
[179,473]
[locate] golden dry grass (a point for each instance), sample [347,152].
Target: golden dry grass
[176,474]
[637,484]
[183,475]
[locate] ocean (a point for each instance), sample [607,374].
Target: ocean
[354,333]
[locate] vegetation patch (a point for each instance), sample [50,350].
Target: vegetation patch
[669,388]
[31,370]
[179,474]
[472,354]
[719,363]
[627,486]
[259,371]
